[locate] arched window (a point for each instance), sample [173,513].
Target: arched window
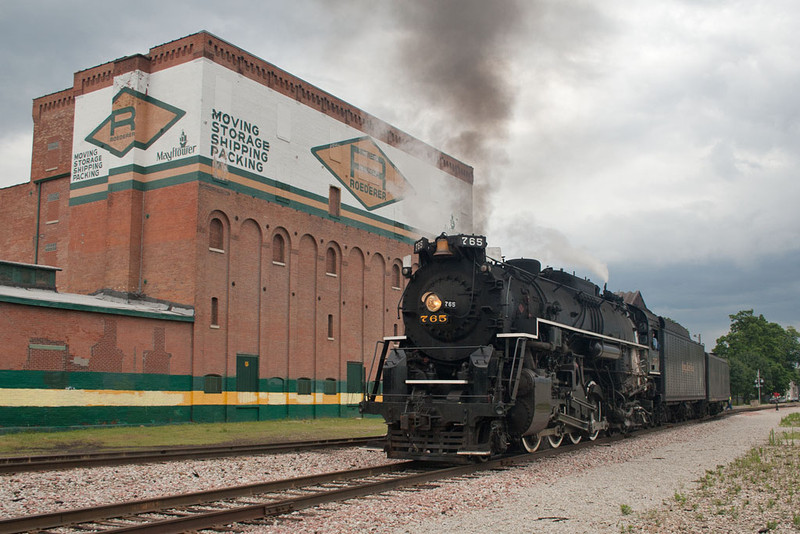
[216,234]
[396,277]
[330,261]
[278,249]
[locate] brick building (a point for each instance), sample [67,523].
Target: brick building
[238,231]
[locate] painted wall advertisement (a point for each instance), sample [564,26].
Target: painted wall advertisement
[236,129]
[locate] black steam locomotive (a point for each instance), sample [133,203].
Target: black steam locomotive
[499,355]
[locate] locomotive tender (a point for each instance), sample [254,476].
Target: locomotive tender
[499,355]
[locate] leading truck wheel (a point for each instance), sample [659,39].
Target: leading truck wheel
[531,443]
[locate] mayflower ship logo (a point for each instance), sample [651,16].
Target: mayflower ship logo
[136,120]
[362,167]
[178,152]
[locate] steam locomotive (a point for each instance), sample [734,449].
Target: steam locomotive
[501,355]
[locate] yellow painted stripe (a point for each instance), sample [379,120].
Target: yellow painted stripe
[15,398]
[91,398]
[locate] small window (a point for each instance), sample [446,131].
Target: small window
[304,386]
[278,250]
[395,277]
[330,326]
[212,384]
[216,235]
[329,386]
[334,201]
[51,247]
[214,311]
[330,262]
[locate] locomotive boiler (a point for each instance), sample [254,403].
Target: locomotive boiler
[501,355]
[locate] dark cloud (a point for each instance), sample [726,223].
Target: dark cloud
[658,139]
[702,295]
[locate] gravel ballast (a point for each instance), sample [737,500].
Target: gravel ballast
[582,491]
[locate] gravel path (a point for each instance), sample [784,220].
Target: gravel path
[641,473]
[576,492]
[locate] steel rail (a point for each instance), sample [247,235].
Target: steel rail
[258,511]
[18,464]
[96,513]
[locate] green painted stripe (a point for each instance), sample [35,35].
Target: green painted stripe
[86,199]
[93,309]
[150,186]
[304,208]
[243,189]
[303,193]
[158,167]
[94,381]
[79,416]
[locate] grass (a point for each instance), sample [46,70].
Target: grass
[793,419]
[760,491]
[120,438]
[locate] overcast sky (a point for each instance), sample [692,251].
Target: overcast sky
[655,145]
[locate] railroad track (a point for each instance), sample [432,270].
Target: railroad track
[179,513]
[255,502]
[18,464]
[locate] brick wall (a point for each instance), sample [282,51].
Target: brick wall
[53,116]
[18,222]
[279,310]
[44,339]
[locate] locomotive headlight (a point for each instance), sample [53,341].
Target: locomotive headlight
[432,301]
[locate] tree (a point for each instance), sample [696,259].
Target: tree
[754,344]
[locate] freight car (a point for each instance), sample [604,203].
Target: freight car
[501,355]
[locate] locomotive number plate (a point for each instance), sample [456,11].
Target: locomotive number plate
[437,318]
[477,241]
